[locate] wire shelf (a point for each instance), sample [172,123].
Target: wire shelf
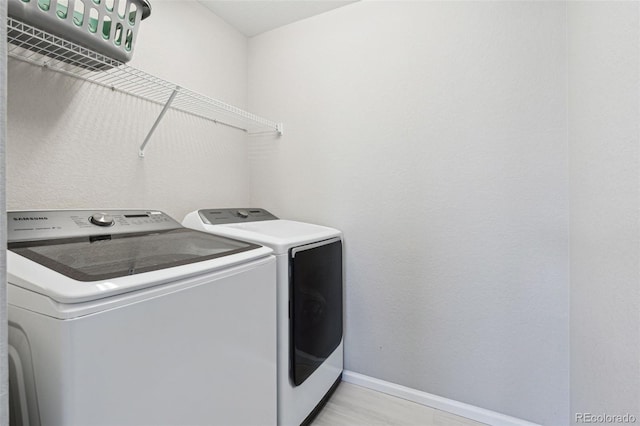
[35,46]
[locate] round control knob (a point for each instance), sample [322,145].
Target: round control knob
[101,219]
[243,214]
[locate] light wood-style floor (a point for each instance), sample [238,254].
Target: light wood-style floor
[353,405]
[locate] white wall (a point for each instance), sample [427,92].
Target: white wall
[604,120]
[433,134]
[74,145]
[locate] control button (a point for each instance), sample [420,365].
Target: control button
[243,213]
[101,219]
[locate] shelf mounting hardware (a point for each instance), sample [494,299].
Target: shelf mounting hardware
[162,113]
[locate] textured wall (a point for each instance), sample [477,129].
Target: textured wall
[434,135]
[604,117]
[73,144]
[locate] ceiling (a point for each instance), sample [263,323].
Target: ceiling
[252,17]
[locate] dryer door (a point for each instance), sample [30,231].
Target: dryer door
[315,291]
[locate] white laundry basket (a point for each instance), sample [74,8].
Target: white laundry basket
[108,27]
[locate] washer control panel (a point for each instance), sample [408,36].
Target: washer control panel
[54,224]
[222,216]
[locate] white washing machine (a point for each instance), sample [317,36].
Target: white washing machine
[310,300]
[127,318]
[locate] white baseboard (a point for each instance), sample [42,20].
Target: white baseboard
[459,408]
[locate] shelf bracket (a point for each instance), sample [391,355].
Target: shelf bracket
[162,113]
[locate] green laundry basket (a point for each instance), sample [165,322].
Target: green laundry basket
[108,27]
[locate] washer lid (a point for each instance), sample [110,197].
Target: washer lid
[39,289]
[111,256]
[80,255]
[280,235]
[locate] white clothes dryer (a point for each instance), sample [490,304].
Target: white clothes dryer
[127,318]
[310,302]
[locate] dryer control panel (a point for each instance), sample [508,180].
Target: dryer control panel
[223,216]
[55,224]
